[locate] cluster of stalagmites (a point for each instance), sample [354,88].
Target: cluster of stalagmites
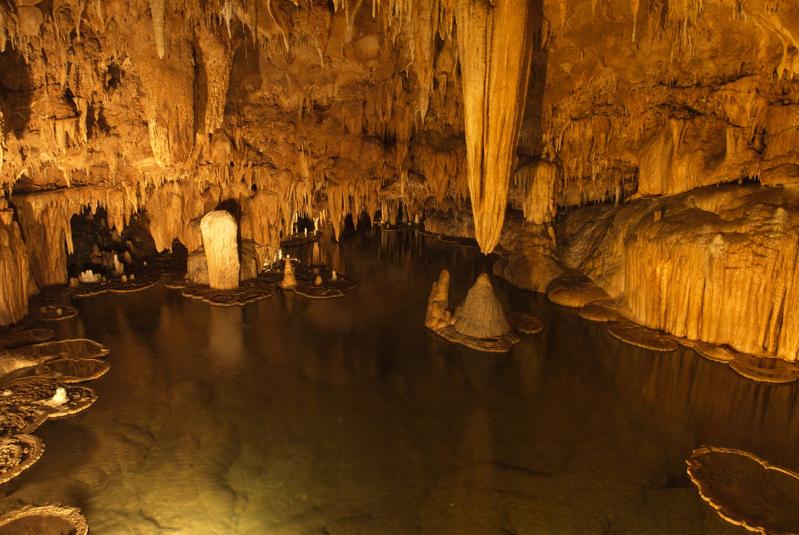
[479,322]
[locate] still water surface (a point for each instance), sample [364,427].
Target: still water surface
[294,416]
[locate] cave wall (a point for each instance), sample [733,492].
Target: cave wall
[169,107]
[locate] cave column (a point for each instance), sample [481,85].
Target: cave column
[495,44]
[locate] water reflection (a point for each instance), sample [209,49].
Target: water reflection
[296,416]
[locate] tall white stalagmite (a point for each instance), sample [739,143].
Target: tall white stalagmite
[495,43]
[220,233]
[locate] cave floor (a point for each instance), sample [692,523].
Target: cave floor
[346,416]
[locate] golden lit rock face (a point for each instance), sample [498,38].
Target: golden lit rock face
[167,108]
[495,43]
[716,264]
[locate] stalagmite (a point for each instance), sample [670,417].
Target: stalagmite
[289,281]
[438,315]
[220,241]
[481,314]
[495,42]
[478,323]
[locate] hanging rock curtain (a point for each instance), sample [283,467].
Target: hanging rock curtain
[495,43]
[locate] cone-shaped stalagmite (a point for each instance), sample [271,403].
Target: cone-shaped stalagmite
[220,235]
[289,281]
[495,43]
[481,314]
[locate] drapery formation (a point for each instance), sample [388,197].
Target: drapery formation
[495,41]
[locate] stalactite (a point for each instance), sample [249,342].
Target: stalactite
[495,46]
[14,272]
[217,60]
[537,184]
[424,19]
[45,220]
[158,14]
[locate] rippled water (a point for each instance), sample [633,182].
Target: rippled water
[295,416]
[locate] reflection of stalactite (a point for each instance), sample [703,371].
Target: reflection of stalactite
[687,391]
[495,45]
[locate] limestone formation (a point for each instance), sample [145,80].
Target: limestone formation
[481,314]
[70,370]
[247,292]
[220,242]
[765,370]
[717,353]
[248,260]
[601,311]
[496,44]
[197,267]
[525,323]
[17,454]
[477,114]
[24,337]
[289,281]
[574,290]
[438,314]
[715,264]
[13,272]
[746,490]
[77,348]
[45,519]
[639,336]
[19,418]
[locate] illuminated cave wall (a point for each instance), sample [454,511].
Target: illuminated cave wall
[169,107]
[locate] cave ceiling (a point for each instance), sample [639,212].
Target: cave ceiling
[327,108]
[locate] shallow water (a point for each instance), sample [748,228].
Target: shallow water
[297,416]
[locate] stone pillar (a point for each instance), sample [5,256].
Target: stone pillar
[220,241]
[14,271]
